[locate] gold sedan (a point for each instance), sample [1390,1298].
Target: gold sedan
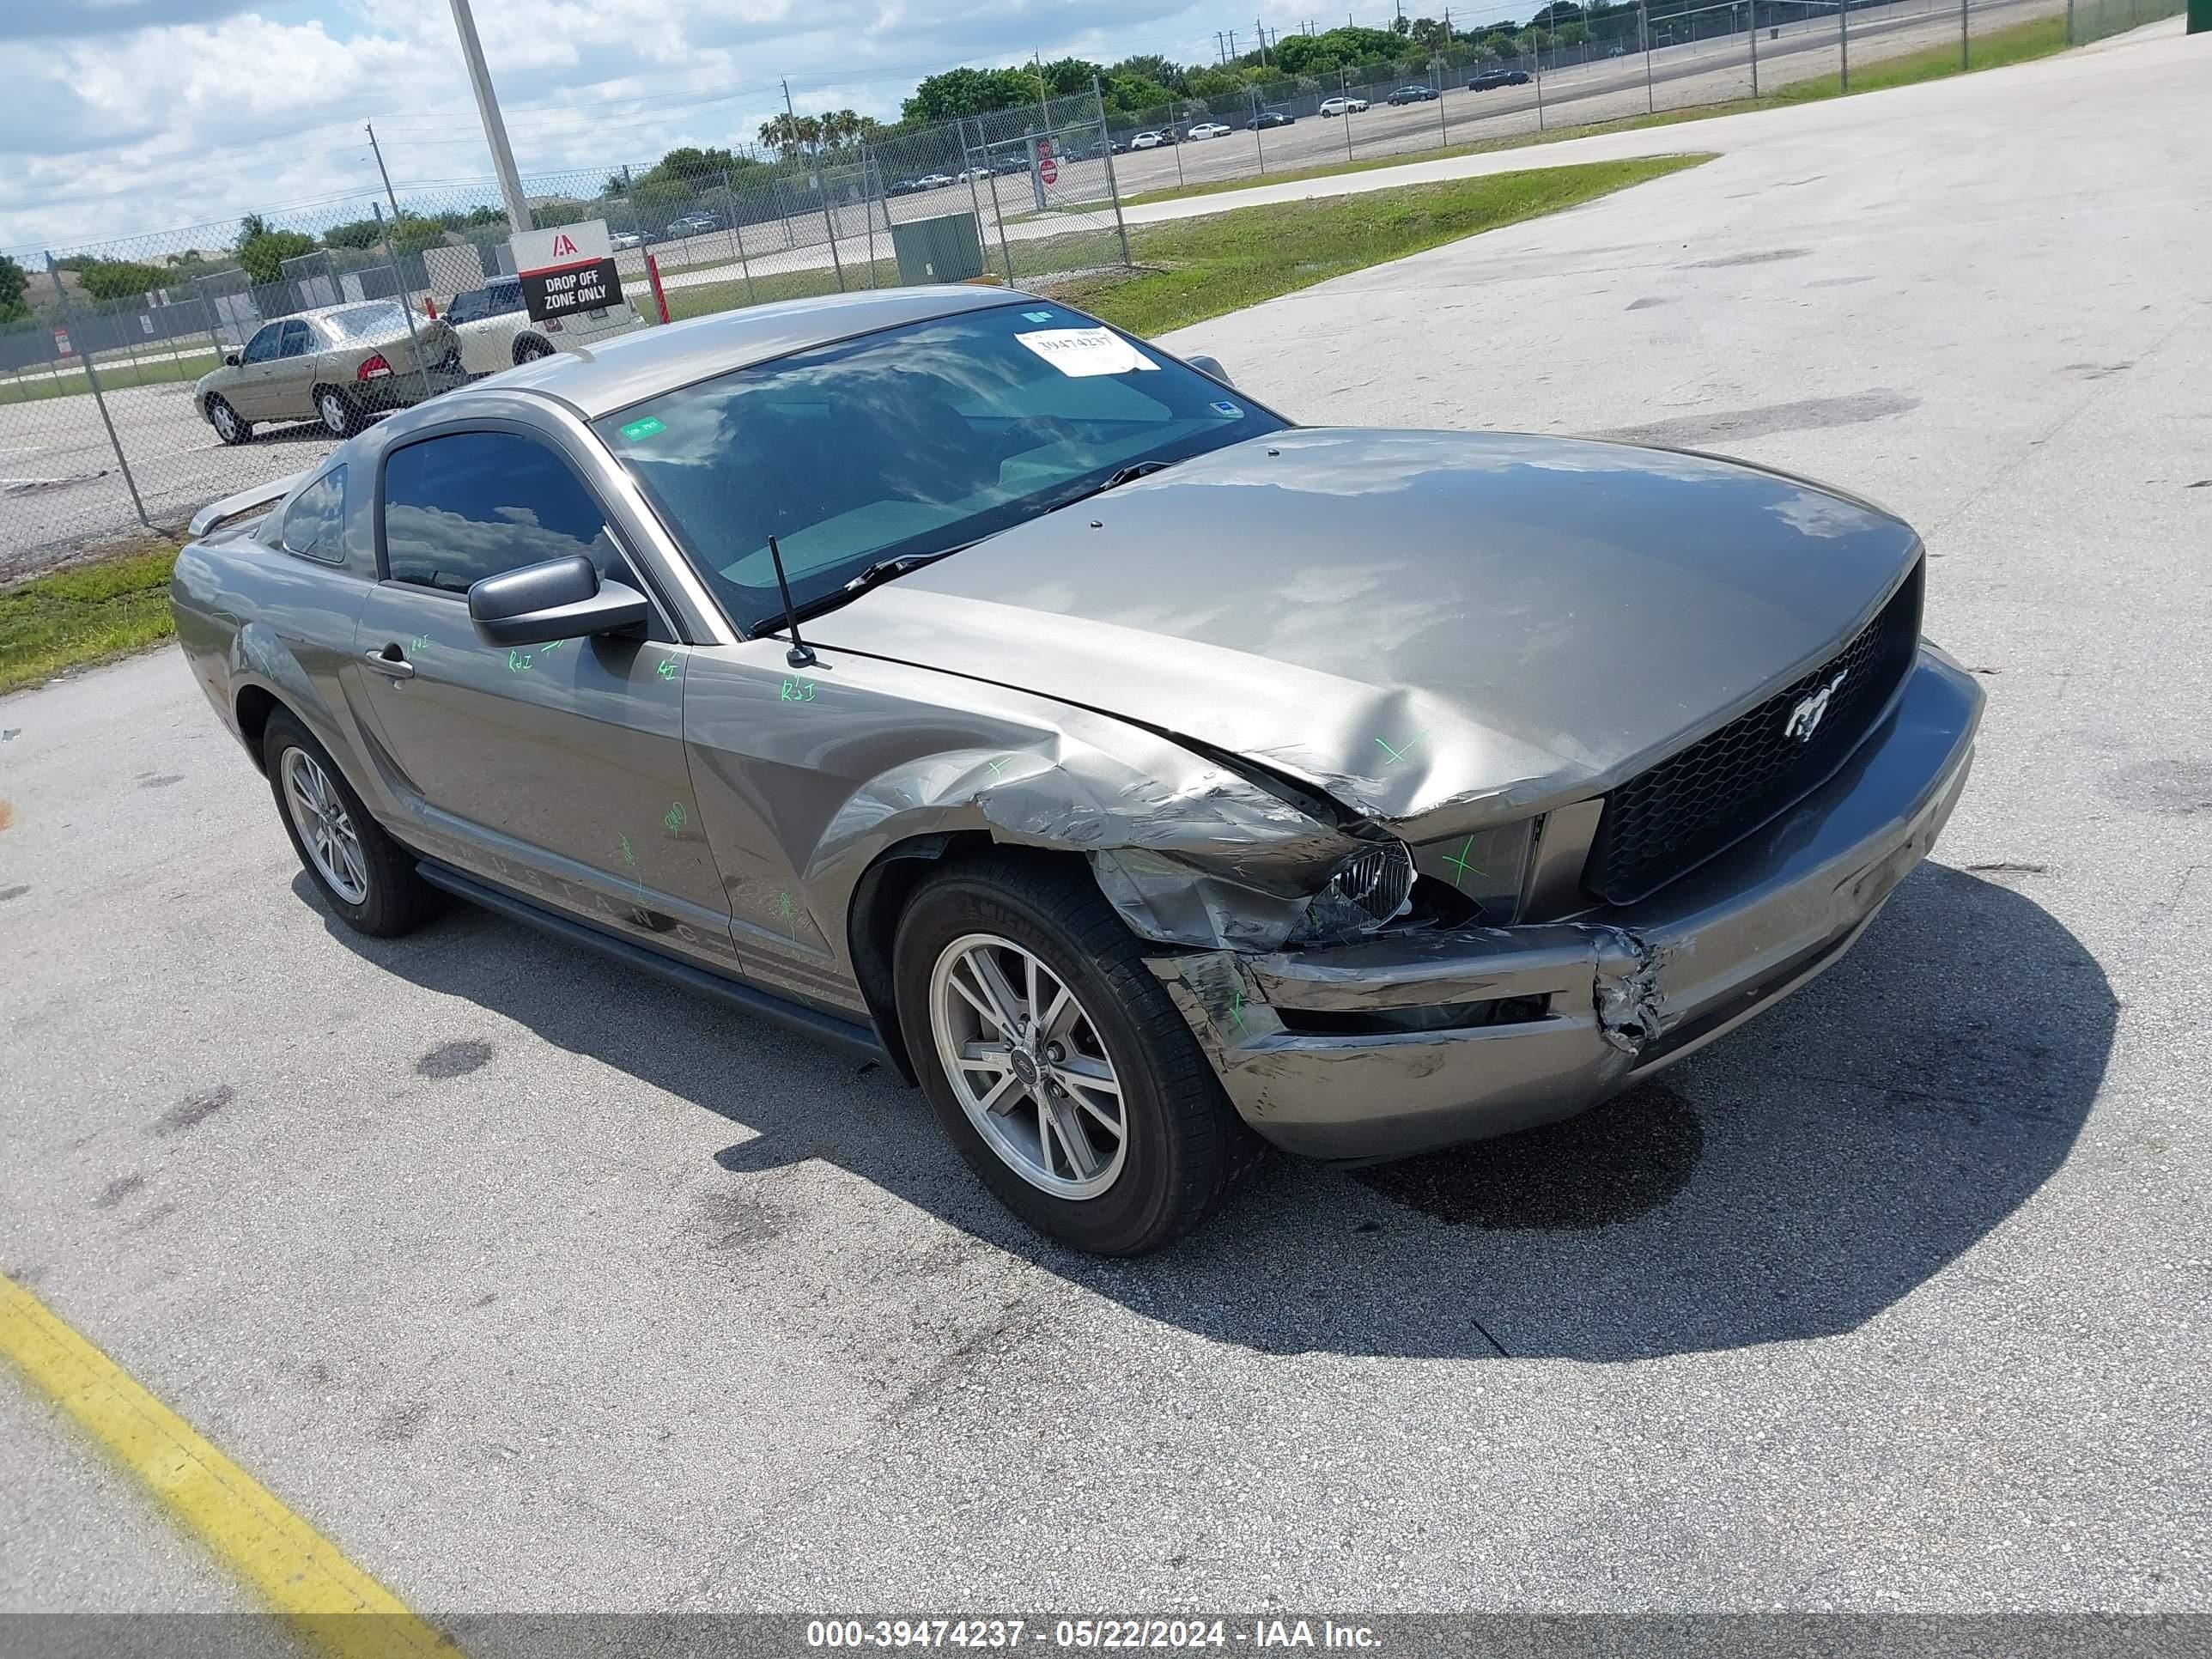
[339,365]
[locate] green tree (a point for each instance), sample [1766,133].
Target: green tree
[263,253]
[969,92]
[1149,66]
[354,232]
[120,279]
[251,226]
[15,282]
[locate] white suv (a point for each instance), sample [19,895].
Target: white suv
[497,332]
[1342,106]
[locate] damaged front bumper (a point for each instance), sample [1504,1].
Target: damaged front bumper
[1541,1021]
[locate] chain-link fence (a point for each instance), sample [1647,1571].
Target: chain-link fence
[108,421]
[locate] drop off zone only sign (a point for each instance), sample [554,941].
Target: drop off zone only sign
[567,271]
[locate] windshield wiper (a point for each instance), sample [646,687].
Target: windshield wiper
[875,576]
[1115,479]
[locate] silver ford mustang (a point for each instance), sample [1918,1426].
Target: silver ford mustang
[1144,775]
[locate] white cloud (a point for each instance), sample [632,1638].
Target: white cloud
[162,114]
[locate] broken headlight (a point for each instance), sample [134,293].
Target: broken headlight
[1486,868]
[1373,886]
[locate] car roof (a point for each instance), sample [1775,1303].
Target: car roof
[612,374]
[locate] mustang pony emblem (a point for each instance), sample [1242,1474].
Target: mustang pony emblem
[1805,719]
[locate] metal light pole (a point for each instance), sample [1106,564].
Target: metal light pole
[1843,36]
[1753,8]
[502,158]
[1643,28]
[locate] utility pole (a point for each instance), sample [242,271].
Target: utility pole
[1232,45]
[502,158]
[1262,29]
[1044,103]
[814,174]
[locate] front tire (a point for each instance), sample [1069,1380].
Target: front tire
[1057,1063]
[365,876]
[229,425]
[529,349]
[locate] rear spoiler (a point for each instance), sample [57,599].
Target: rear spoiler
[238,506]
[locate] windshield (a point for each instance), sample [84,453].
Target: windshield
[911,440]
[366,322]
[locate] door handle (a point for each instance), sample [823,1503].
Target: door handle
[396,665]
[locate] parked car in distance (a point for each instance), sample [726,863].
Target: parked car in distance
[1413,95]
[1210,130]
[496,331]
[846,660]
[935,181]
[337,364]
[1268,118]
[693,224]
[1150,140]
[623,240]
[1342,106]
[1490,80]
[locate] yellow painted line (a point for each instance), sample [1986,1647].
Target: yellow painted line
[339,1609]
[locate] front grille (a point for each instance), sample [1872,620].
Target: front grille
[1666,822]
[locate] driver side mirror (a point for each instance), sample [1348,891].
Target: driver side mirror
[560,599]
[1209,365]
[230,359]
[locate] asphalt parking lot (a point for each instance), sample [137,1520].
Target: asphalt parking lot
[535,1286]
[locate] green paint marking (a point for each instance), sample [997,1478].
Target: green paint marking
[517,661]
[1459,861]
[666,669]
[1237,1008]
[628,857]
[999,765]
[421,642]
[644,428]
[1401,754]
[548,650]
[796,691]
[676,817]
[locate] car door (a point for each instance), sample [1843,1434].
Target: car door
[249,390]
[290,383]
[557,770]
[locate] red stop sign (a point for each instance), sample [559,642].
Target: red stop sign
[1048,169]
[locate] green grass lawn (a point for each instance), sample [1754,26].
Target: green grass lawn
[115,372]
[86,615]
[1200,267]
[2016,45]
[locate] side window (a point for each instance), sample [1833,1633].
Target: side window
[507,297]
[315,523]
[296,340]
[261,348]
[462,508]
[466,307]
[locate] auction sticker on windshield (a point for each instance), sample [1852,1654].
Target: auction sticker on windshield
[1078,352]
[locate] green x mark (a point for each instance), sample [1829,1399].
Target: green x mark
[1236,1009]
[1401,754]
[1460,862]
[998,766]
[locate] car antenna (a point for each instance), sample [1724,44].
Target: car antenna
[798,656]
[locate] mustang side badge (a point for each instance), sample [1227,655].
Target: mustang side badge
[1805,719]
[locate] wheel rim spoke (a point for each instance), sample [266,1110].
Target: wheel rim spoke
[1024,1059]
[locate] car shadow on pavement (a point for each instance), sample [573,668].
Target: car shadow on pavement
[1790,1182]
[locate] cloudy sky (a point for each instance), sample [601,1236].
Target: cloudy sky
[142,119]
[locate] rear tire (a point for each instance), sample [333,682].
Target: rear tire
[340,415]
[229,425]
[1149,1171]
[364,875]
[529,349]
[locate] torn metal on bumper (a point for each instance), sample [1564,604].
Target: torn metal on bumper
[1582,1008]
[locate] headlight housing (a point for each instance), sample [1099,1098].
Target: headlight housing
[1375,886]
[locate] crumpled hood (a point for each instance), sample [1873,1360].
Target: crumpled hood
[1460,627]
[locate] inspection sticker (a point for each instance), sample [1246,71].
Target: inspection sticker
[1081,352]
[644,428]
[1222,407]
[1036,316]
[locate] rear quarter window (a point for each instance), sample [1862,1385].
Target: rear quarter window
[314,524]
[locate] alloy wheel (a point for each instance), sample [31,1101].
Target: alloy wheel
[226,423]
[1028,1065]
[334,413]
[325,827]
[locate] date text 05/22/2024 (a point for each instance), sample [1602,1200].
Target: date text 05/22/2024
[1089,1633]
